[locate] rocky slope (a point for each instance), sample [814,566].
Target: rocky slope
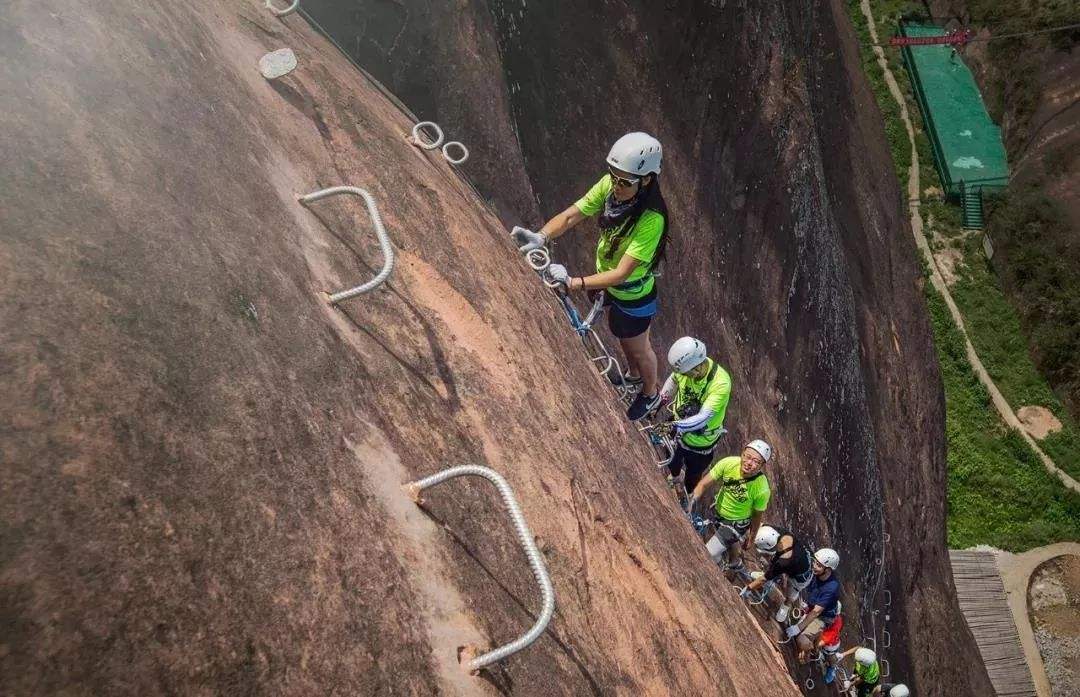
[202,459]
[791,255]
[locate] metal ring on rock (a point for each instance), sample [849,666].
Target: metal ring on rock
[464,153]
[538,259]
[417,135]
[809,683]
[281,13]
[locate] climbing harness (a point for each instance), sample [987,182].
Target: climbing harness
[380,232]
[281,13]
[528,543]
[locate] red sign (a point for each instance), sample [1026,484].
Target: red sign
[960,36]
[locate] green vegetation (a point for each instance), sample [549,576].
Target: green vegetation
[999,492]
[994,329]
[894,127]
[1016,59]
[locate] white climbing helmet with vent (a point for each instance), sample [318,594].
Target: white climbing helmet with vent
[827,557]
[636,153]
[766,539]
[761,448]
[865,656]
[686,354]
[899,691]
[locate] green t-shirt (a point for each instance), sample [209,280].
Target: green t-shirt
[694,395]
[640,243]
[738,501]
[870,674]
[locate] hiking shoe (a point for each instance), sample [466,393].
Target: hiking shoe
[781,614]
[830,675]
[642,405]
[627,379]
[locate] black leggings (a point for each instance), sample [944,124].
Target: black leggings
[695,463]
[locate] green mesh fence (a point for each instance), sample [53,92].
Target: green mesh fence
[968,151]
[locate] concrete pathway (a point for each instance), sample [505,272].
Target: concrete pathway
[1016,571]
[914,192]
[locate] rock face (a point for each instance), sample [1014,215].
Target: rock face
[202,459]
[790,254]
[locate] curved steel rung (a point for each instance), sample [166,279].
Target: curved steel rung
[528,543]
[886,639]
[885,668]
[380,232]
[595,311]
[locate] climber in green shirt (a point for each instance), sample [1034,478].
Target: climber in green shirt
[633,223]
[699,390]
[740,503]
[867,670]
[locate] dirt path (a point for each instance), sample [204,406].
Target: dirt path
[1016,571]
[914,189]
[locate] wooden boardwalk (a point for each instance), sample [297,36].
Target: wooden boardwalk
[982,600]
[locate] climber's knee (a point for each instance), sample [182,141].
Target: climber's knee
[717,550]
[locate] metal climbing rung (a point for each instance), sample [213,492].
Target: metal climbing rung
[885,668]
[886,639]
[525,537]
[281,13]
[380,232]
[595,311]
[888,597]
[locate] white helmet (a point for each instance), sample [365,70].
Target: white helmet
[865,656]
[766,539]
[686,354]
[899,691]
[827,557]
[762,448]
[636,153]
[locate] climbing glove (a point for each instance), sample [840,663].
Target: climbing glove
[527,240]
[792,631]
[558,274]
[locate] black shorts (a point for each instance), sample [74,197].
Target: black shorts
[866,689]
[695,463]
[627,326]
